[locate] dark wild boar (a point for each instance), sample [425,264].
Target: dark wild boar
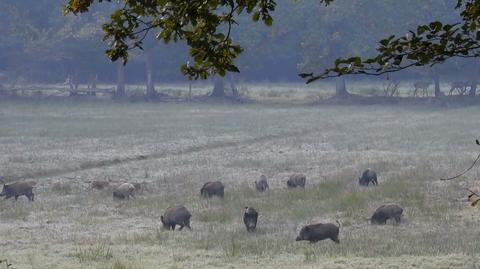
[214,188]
[176,215]
[18,189]
[367,177]
[385,212]
[100,184]
[124,191]
[250,217]
[139,187]
[320,231]
[296,180]
[261,185]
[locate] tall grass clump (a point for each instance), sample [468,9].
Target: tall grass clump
[99,252]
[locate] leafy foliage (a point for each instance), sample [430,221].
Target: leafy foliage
[429,44]
[204,25]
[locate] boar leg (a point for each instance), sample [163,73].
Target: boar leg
[335,239]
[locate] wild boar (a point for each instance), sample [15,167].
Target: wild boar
[18,189]
[368,176]
[385,212]
[262,184]
[138,187]
[214,188]
[296,180]
[320,231]
[124,191]
[99,184]
[176,215]
[250,217]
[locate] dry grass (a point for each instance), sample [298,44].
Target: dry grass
[72,226]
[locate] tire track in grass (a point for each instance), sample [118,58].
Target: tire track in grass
[154,155]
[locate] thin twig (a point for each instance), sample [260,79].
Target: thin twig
[468,169]
[472,192]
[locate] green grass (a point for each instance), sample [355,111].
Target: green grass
[100,252]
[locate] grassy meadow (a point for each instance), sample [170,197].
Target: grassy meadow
[63,145]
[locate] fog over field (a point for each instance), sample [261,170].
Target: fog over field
[267,133]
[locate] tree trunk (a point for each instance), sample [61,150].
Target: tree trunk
[218,88]
[233,87]
[340,89]
[120,92]
[73,83]
[436,80]
[473,89]
[189,90]
[76,80]
[151,93]
[94,81]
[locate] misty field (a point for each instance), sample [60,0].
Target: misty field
[175,148]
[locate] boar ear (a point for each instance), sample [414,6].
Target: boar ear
[161,219]
[306,228]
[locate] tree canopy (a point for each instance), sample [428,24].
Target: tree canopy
[430,44]
[206,27]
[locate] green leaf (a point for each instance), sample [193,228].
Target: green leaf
[256,16]
[268,21]
[435,26]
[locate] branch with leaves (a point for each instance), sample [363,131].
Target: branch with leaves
[429,44]
[205,25]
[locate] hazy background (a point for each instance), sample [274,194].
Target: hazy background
[38,44]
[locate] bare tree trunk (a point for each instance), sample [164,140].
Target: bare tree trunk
[120,92]
[92,87]
[76,80]
[218,88]
[73,83]
[436,80]
[189,90]
[233,87]
[340,89]
[94,81]
[70,82]
[14,82]
[473,89]
[151,93]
